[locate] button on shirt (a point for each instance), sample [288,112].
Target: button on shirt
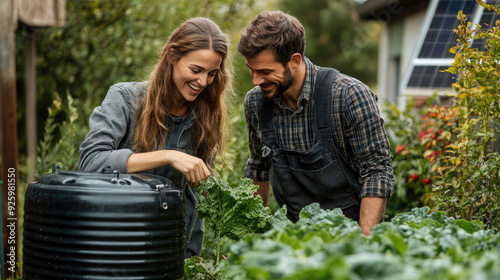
[358,131]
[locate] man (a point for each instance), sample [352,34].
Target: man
[314,135]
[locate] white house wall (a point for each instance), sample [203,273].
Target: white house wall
[383,67]
[411,31]
[412,28]
[386,78]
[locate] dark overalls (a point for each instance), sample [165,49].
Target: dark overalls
[319,174]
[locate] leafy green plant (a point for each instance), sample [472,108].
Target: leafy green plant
[469,177]
[197,268]
[63,150]
[232,212]
[420,244]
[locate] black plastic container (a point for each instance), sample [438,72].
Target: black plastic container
[103,226]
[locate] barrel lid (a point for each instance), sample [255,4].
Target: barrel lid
[106,180]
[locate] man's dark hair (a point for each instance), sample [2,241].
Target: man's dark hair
[276,31]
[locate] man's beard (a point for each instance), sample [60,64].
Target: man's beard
[281,87]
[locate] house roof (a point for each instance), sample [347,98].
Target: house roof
[387,10]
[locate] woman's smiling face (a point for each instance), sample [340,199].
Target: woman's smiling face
[195,71]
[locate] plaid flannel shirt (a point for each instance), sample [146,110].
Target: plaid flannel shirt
[358,131]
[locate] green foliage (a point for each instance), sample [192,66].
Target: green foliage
[336,37]
[232,212]
[105,42]
[469,178]
[199,269]
[401,127]
[325,245]
[453,148]
[418,139]
[237,152]
[61,139]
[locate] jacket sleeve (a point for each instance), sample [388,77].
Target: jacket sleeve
[110,129]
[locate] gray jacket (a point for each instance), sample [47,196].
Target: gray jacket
[108,144]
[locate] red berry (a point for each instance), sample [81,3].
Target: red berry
[421,135]
[412,178]
[434,154]
[400,148]
[426,181]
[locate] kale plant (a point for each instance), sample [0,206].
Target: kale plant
[232,212]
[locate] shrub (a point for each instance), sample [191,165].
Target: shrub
[468,184]
[418,138]
[64,151]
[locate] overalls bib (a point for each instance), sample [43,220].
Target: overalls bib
[318,174]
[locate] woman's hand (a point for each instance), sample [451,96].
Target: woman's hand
[193,168]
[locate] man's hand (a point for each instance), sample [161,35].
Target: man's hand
[264,190]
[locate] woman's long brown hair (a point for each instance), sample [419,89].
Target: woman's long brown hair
[208,135]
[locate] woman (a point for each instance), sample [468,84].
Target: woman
[171,125]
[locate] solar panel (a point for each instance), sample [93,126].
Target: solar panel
[432,54]
[431,76]
[440,36]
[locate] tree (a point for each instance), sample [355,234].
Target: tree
[336,37]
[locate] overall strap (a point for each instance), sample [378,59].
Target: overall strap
[265,113]
[322,96]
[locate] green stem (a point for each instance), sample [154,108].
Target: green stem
[217,245]
[486,141]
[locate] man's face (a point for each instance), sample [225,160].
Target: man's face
[273,78]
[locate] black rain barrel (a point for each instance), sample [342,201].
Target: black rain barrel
[81,225]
